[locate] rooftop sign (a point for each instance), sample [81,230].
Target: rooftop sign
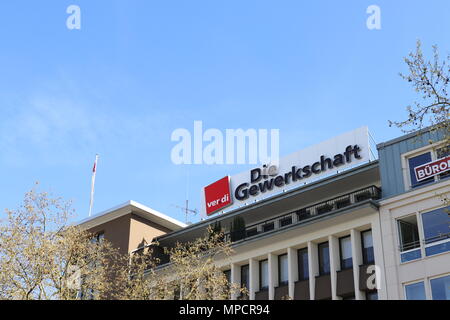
[294,170]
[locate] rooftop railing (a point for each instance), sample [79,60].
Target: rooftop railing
[298,216]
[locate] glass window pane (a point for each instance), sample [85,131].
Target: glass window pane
[264,274]
[367,239]
[417,161]
[411,255]
[437,248]
[303,271]
[409,233]
[245,279]
[346,252]
[283,271]
[440,288]
[436,225]
[442,153]
[415,291]
[368,255]
[324,258]
[228,275]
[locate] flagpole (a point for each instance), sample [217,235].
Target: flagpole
[94,171]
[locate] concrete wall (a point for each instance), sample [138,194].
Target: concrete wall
[309,236]
[412,203]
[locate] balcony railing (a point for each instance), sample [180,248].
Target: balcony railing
[298,216]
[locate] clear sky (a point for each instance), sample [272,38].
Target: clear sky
[137,70]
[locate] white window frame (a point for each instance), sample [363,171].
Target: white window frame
[422,235]
[419,228]
[432,278]
[414,282]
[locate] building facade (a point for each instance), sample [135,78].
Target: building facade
[375,230]
[414,217]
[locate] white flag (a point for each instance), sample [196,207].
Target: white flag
[94,170]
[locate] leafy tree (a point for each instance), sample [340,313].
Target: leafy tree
[44,257]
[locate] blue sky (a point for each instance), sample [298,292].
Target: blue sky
[137,70]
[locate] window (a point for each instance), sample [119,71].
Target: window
[436,231]
[263,275]
[245,276]
[372,295]
[440,288]
[424,158]
[324,258]
[409,239]
[367,247]
[345,244]
[227,274]
[303,267]
[98,237]
[415,162]
[283,273]
[442,153]
[252,232]
[415,291]
[286,221]
[268,227]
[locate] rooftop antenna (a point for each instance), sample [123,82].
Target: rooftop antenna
[186,209]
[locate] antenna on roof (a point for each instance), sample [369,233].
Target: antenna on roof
[186,209]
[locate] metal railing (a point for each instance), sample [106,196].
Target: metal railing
[295,217]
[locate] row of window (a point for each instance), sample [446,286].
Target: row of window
[436,234]
[440,289]
[345,250]
[303,261]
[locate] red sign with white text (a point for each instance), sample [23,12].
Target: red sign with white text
[432,168]
[217,195]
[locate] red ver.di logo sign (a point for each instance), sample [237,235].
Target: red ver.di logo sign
[217,195]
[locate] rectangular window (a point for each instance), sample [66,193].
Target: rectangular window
[263,275]
[436,231]
[415,291]
[285,221]
[442,153]
[283,273]
[440,288]
[268,227]
[409,239]
[324,258]
[345,244]
[98,237]
[303,265]
[252,232]
[415,162]
[367,247]
[227,274]
[245,276]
